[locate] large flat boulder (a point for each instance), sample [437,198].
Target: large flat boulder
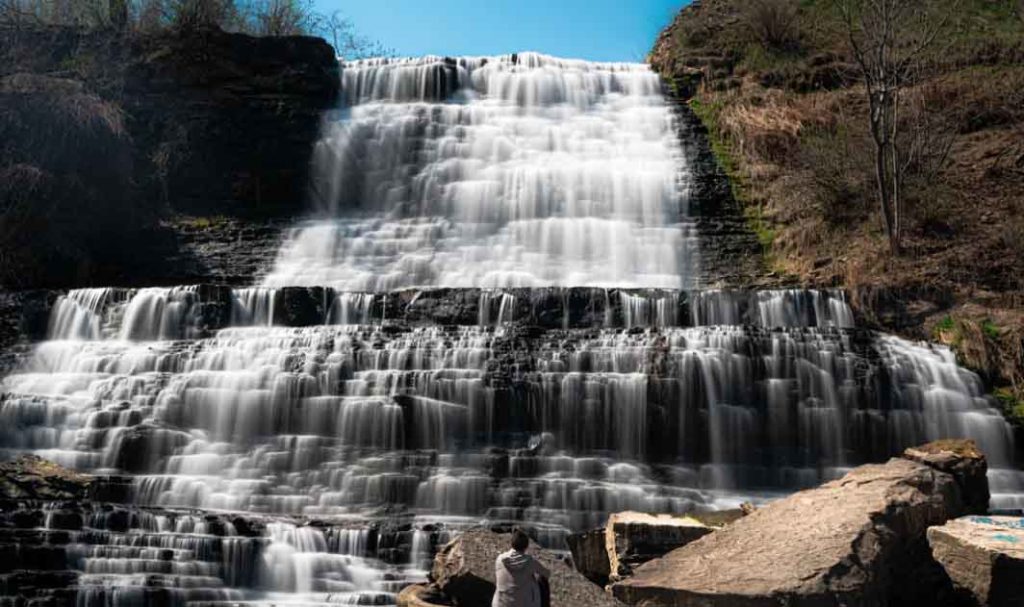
[633,538]
[984,556]
[859,540]
[464,572]
[629,539]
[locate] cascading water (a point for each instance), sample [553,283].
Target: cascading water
[516,171]
[334,424]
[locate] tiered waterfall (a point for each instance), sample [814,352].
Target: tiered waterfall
[491,316]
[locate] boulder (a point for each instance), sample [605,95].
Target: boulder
[965,462]
[629,539]
[984,557]
[464,572]
[632,538]
[859,540]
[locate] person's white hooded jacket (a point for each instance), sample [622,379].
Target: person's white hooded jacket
[515,573]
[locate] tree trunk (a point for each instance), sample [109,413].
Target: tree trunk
[883,193]
[897,175]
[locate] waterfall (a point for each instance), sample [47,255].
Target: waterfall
[492,317]
[514,171]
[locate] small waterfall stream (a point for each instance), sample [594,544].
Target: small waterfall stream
[492,319]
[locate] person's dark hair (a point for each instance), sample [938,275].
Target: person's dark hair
[520,540]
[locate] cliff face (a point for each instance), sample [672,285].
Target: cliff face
[228,121]
[204,124]
[787,118]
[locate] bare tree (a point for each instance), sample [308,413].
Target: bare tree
[888,39]
[341,33]
[278,17]
[187,15]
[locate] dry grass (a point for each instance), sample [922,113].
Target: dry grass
[768,130]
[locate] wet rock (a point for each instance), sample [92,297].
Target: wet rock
[24,556]
[70,520]
[38,588]
[32,477]
[142,445]
[247,527]
[111,489]
[301,306]
[464,572]
[859,540]
[984,556]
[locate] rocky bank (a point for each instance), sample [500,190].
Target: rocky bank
[203,142]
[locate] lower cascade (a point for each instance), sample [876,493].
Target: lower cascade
[390,435]
[506,332]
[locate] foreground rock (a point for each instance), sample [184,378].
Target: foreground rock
[464,572]
[859,540]
[984,556]
[630,539]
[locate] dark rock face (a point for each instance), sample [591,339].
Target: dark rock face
[235,117]
[207,124]
[222,250]
[464,572]
[984,556]
[590,556]
[855,541]
[24,316]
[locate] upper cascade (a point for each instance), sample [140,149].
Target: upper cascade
[515,171]
[526,79]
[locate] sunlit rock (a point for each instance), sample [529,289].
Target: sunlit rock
[859,540]
[984,556]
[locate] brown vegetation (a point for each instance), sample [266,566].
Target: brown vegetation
[791,126]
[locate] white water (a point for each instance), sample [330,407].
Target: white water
[476,172]
[521,173]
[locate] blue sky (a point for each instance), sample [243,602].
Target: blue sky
[600,30]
